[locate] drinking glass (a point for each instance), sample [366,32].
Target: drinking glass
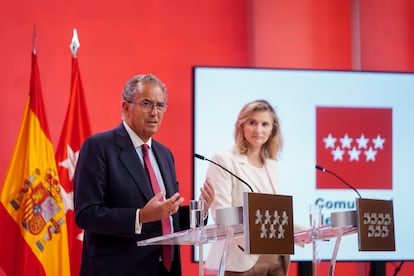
[315,216]
[196,213]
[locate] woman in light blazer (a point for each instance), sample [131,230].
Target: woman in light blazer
[258,142]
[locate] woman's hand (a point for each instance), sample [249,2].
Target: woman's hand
[207,195]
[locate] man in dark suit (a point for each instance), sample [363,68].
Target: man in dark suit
[116,202]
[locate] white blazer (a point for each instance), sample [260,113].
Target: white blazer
[229,193]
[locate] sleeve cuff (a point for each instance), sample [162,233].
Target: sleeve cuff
[138,224]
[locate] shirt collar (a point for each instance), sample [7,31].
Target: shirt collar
[136,140]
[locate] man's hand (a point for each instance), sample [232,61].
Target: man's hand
[155,209]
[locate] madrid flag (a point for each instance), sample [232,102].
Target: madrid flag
[75,130]
[355,143]
[33,234]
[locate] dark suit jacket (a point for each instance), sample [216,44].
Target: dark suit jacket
[109,185]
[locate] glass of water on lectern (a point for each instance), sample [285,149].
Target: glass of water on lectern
[196,213]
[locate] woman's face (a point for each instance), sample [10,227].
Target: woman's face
[258,129]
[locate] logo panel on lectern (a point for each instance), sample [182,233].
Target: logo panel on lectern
[375,225]
[268,224]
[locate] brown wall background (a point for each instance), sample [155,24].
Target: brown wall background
[120,39]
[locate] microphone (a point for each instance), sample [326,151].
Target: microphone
[217,164]
[337,176]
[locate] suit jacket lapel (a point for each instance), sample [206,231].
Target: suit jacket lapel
[249,175]
[130,160]
[246,173]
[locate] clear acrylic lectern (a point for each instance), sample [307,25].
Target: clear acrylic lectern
[325,232]
[199,236]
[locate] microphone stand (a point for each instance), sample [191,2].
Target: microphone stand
[217,164]
[339,237]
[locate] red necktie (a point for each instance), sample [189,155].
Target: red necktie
[166,223]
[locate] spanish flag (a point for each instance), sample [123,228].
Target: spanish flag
[33,233]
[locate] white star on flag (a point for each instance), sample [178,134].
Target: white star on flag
[68,205]
[354,154]
[80,235]
[337,154]
[362,142]
[346,142]
[378,142]
[67,199]
[329,141]
[370,154]
[70,162]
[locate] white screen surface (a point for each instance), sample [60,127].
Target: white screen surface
[220,93]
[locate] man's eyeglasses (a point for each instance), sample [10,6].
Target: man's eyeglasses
[147,105]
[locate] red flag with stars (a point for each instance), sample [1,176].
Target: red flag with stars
[75,130]
[355,143]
